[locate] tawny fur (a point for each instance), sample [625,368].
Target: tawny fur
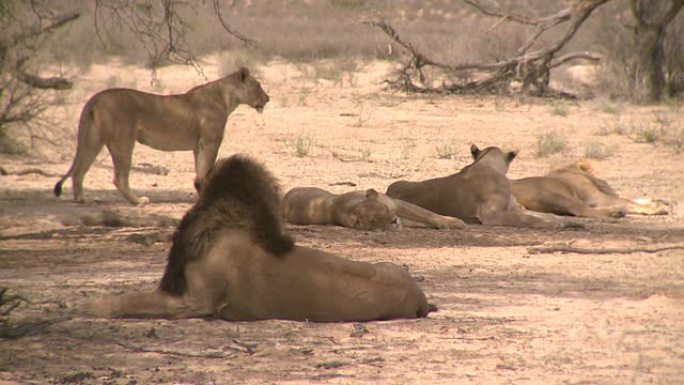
[576,190]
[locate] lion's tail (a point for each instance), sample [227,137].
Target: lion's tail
[83,123]
[57,190]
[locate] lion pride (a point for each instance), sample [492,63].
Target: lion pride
[195,120]
[231,258]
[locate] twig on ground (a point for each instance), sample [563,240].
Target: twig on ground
[235,347]
[17,331]
[582,250]
[141,349]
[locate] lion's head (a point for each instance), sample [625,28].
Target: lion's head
[247,89]
[372,214]
[493,157]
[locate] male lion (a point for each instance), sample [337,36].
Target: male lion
[232,259]
[363,210]
[479,193]
[193,121]
[576,190]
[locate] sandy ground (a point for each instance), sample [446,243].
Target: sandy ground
[509,312]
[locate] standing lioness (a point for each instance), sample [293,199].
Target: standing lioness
[193,121]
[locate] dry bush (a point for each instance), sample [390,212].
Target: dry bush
[446,151]
[550,143]
[596,150]
[560,109]
[302,145]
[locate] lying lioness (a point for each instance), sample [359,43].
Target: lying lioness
[575,190]
[231,258]
[363,210]
[479,193]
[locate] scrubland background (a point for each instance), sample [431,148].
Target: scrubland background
[510,312]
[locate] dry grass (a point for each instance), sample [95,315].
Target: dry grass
[551,143]
[666,127]
[302,145]
[560,109]
[597,150]
[446,150]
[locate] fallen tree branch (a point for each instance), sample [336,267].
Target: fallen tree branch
[530,67]
[582,250]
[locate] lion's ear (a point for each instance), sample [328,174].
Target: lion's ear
[243,74]
[511,155]
[371,193]
[474,151]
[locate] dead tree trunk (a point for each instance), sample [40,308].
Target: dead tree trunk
[652,19]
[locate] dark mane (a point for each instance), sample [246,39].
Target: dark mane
[238,193]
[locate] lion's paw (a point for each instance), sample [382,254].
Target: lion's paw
[143,201]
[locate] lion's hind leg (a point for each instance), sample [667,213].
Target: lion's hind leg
[643,206]
[526,218]
[122,154]
[85,156]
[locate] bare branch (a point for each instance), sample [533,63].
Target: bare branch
[41,30]
[589,56]
[503,15]
[231,32]
[581,250]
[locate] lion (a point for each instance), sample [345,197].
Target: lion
[231,258]
[479,193]
[195,121]
[363,210]
[576,190]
